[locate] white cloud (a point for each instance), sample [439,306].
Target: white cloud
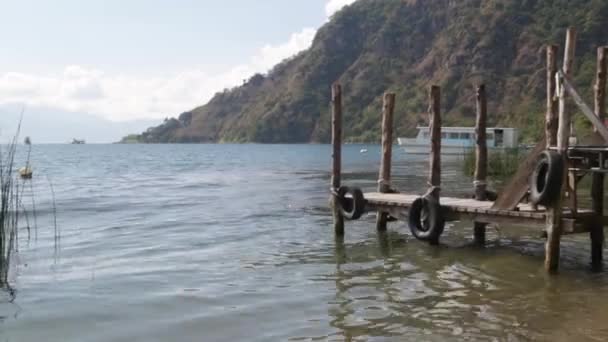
[126,97]
[271,55]
[334,6]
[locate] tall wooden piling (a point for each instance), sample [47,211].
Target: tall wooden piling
[551,117]
[435,162]
[481,148]
[554,212]
[435,128]
[597,187]
[336,141]
[481,159]
[384,180]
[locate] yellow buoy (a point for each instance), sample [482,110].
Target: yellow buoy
[26,172]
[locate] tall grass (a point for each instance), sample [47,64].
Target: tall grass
[9,207]
[12,207]
[501,163]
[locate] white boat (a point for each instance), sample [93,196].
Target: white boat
[459,140]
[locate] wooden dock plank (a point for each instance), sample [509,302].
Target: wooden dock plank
[458,205]
[458,209]
[518,185]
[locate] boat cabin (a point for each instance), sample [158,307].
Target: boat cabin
[497,137]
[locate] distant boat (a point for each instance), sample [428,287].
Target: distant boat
[27,141]
[459,140]
[363,150]
[78,142]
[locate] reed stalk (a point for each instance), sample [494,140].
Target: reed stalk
[501,164]
[9,207]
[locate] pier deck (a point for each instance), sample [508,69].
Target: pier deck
[457,209]
[543,192]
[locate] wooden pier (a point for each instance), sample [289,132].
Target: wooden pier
[542,193]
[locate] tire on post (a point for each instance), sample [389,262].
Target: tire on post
[351,207]
[491,195]
[425,219]
[547,178]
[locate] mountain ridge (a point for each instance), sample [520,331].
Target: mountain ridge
[403,46]
[57,126]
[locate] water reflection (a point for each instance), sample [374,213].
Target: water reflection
[392,285]
[235,243]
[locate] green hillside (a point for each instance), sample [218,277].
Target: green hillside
[404,46]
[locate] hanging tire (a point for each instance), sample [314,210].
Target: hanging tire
[351,207]
[426,220]
[546,180]
[491,195]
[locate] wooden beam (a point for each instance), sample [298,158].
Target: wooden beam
[481,148]
[518,186]
[554,211]
[589,114]
[600,83]
[336,141]
[563,130]
[569,225]
[387,151]
[551,116]
[481,160]
[597,184]
[435,128]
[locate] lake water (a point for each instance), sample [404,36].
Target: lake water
[235,243]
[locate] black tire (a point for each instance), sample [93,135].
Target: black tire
[351,207]
[491,195]
[426,220]
[546,180]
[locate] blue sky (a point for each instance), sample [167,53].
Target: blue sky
[136,59]
[145,35]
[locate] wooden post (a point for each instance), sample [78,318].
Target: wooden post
[435,128]
[336,140]
[597,185]
[481,148]
[554,212]
[551,117]
[481,160]
[387,152]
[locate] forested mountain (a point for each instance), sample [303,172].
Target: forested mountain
[404,46]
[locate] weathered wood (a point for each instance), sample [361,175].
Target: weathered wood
[461,204]
[597,187]
[597,184]
[435,128]
[481,148]
[563,130]
[461,209]
[481,161]
[336,140]
[479,233]
[518,186]
[585,109]
[551,117]
[600,84]
[596,235]
[554,212]
[572,189]
[387,152]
